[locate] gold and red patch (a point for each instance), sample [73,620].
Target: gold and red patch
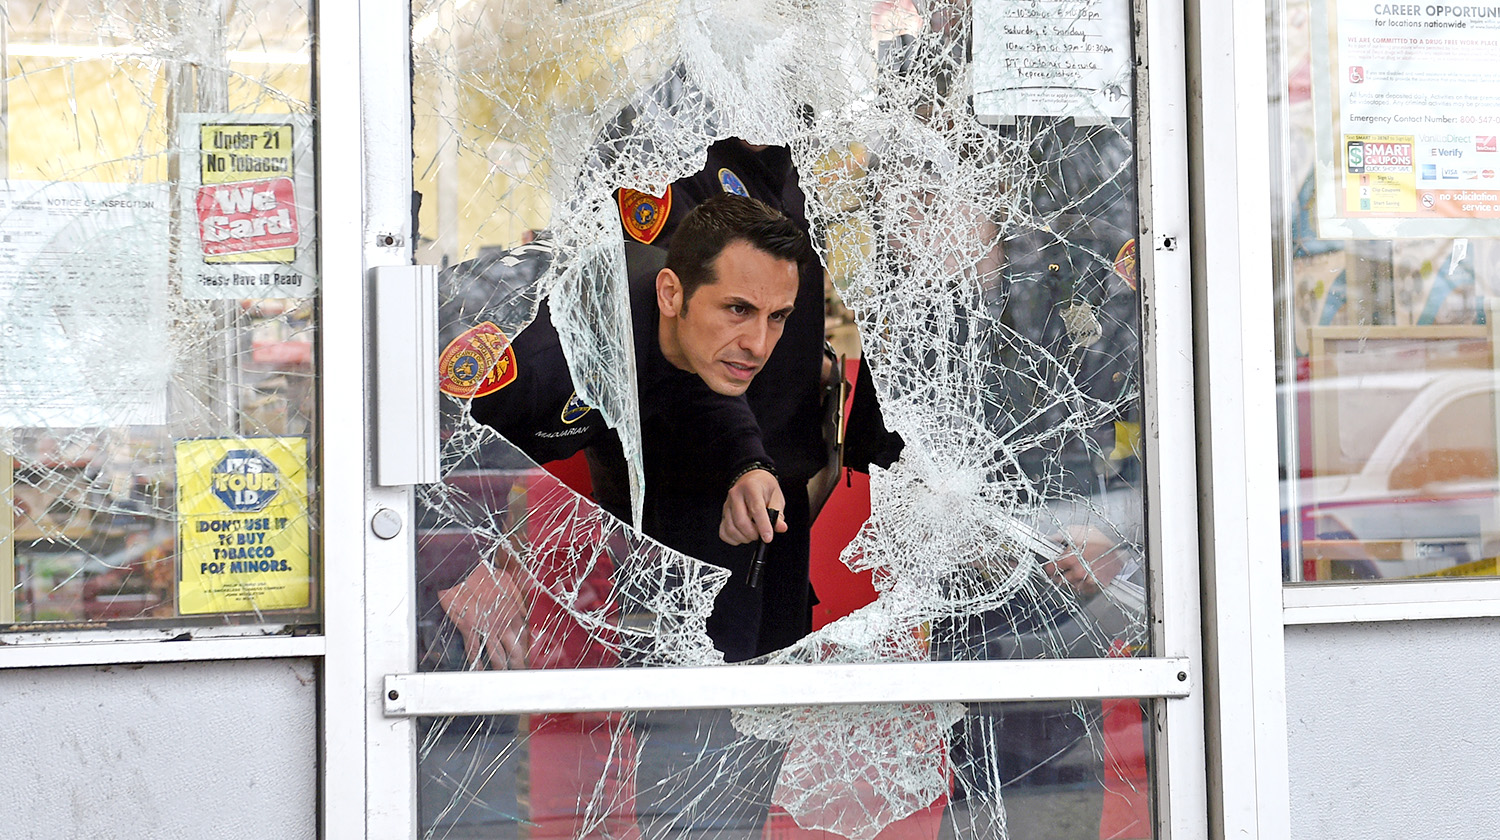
[1125,264]
[478,362]
[644,215]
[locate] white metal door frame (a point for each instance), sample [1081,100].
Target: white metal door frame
[1171,465]
[369,756]
[1244,659]
[364,159]
[337,68]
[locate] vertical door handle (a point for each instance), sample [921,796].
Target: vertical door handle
[406,374]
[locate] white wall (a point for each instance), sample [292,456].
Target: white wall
[1393,730]
[182,750]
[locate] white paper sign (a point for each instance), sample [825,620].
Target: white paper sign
[1407,118]
[83,280]
[1052,58]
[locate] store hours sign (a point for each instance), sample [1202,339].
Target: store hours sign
[1052,58]
[245,207]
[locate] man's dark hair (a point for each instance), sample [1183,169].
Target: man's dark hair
[711,226]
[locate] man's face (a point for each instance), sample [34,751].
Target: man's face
[729,327]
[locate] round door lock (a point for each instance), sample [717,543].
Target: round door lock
[386,523]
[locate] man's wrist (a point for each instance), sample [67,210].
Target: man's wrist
[750,468]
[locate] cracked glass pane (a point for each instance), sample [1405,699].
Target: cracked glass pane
[995,770]
[620,423]
[158,304]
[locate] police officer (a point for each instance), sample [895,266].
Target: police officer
[786,398]
[706,315]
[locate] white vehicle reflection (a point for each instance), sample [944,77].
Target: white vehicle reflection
[1405,483]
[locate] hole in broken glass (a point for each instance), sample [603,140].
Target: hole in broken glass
[1018,388]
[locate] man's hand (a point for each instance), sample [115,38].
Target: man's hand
[1090,566]
[745,518]
[489,610]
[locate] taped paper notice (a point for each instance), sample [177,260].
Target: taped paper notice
[83,315]
[1052,58]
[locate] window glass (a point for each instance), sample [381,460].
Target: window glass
[1456,445]
[973,271]
[158,255]
[1387,200]
[1059,770]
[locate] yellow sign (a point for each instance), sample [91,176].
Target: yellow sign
[242,530]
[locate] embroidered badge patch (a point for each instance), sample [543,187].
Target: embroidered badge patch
[478,362]
[732,183]
[644,215]
[1125,263]
[575,409]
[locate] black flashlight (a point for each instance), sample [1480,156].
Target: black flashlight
[758,562]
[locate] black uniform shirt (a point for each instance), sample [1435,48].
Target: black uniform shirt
[697,438]
[539,411]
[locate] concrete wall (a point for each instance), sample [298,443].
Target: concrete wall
[190,750]
[1393,730]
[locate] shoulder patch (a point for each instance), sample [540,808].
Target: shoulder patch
[732,183]
[575,409]
[1125,264]
[477,363]
[644,215]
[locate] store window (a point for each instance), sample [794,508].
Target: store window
[974,273]
[158,302]
[1384,119]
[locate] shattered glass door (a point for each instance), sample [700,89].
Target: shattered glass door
[950,407]
[158,302]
